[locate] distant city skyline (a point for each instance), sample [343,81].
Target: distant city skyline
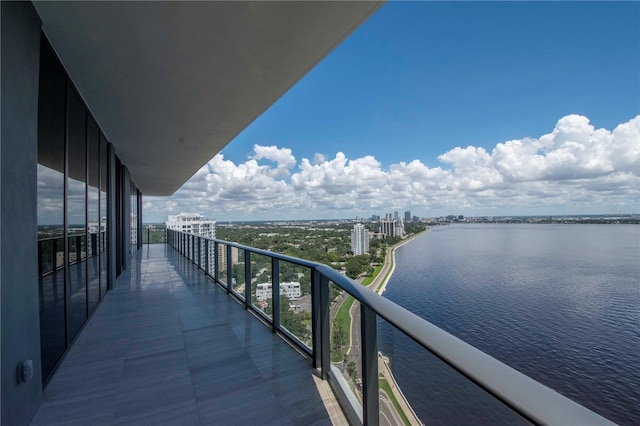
[483,108]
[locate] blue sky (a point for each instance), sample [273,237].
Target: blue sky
[420,79]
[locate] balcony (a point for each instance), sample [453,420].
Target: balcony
[185,338]
[167,346]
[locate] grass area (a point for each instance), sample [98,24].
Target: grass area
[343,313]
[372,277]
[384,385]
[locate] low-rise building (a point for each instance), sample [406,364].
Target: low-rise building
[291,290]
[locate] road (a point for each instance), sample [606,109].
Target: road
[388,414]
[353,354]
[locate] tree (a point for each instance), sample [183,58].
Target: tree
[352,370]
[337,333]
[297,323]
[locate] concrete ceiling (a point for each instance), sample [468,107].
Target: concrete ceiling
[171,83]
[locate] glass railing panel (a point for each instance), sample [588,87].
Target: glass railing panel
[415,385]
[344,317]
[210,258]
[203,253]
[261,284]
[295,301]
[187,246]
[199,251]
[154,234]
[237,269]
[222,264]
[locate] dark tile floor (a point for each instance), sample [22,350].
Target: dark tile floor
[167,346]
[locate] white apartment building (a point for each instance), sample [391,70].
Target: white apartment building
[197,224]
[193,223]
[359,239]
[290,289]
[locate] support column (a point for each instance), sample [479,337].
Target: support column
[20,57]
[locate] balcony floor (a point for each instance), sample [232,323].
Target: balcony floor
[167,346]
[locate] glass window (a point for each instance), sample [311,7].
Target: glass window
[134,217]
[51,265]
[93,213]
[103,213]
[76,213]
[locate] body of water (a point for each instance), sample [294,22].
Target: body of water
[560,303]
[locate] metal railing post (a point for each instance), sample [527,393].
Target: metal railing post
[275,293]
[316,329]
[247,278]
[369,350]
[200,253]
[229,270]
[325,329]
[206,255]
[216,267]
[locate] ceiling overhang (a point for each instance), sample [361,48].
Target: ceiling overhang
[172,83]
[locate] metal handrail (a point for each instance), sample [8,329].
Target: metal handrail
[528,398]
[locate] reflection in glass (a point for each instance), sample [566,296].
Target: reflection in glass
[134,217]
[51,113]
[76,213]
[93,214]
[103,215]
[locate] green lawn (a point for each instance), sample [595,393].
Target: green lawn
[373,276]
[343,313]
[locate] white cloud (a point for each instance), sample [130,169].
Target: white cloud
[574,168]
[281,156]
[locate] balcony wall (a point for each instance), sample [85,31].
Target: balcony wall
[20,327]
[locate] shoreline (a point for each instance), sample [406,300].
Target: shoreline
[384,366]
[392,252]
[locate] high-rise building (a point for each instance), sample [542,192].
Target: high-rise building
[391,227]
[192,223]
[407,216]
[196,224]
[359,239]
[396,215]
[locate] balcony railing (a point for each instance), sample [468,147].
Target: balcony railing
[51,250]
[238,268]
[154,234]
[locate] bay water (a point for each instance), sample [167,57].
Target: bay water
[560,303]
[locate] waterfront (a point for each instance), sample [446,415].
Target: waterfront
[558,302]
